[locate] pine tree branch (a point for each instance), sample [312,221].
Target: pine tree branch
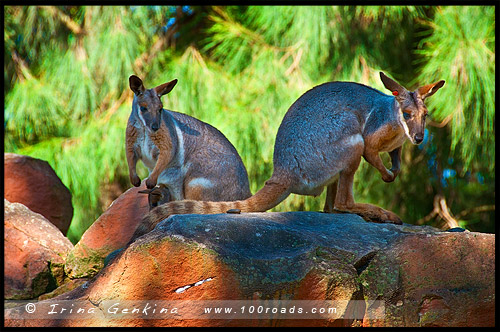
[482,208]
[22,70]
[70,23]
[442,123]
[295,64]
[126,95]
[440,209]
[146,57]
[242,32]
[445,212]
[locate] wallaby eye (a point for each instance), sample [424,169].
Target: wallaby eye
[143,109]
[406,115]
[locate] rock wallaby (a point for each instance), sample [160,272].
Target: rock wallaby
[320,143]
[187,158]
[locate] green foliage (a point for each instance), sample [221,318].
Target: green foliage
[34,111]
[239,68]
[461,51]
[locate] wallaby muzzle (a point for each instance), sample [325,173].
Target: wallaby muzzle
[152,121]
[416,130]
[155,126]
[416,126]
[418,138]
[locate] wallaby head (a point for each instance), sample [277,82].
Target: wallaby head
[414,111]
[150,105]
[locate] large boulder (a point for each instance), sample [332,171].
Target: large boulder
[34,183]
[111,231]
[446,279]
[372,274]
[35,251]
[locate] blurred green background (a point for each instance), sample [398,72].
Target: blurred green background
[239,68]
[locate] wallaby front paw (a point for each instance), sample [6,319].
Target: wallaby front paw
[382,216]
[150,183]
[391,218]
[389,176]
[395,172]
[136,181]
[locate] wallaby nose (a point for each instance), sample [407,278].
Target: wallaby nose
[155,127]
[418,138]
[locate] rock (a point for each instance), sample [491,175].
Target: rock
[35,251]
[68,286]
[376,274]
[34,183]
[111,231]
[442,280]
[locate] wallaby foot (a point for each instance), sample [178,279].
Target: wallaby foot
[157,196]
[371,213]
[135,180]
[344,200]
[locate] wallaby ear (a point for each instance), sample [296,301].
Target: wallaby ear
[136,85]
[397,90]
[165,88]
[430,89]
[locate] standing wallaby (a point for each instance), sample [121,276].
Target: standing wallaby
[187,158]
[320,143]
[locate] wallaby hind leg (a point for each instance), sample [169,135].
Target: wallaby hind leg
[331,193]
[157,196]
[344,201]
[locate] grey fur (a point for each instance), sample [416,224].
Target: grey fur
[207,154]
[311,141]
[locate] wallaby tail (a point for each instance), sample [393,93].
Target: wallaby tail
[266,198]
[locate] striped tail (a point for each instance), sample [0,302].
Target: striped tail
[266,198]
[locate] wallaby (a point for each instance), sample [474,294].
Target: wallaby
[187,158]
[320,143]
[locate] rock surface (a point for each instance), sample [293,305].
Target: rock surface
[35,251]
[408,275]
[111,231]
[445,279]
[34,183]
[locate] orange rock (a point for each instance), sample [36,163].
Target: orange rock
[377,274]
[446,279]
[34,183]
[34,253]
[111,231]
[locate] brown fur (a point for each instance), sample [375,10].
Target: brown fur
[162,140]
[384,139]
[132,157]
[344,200]
[428,90]
[194,192]
[331,194]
